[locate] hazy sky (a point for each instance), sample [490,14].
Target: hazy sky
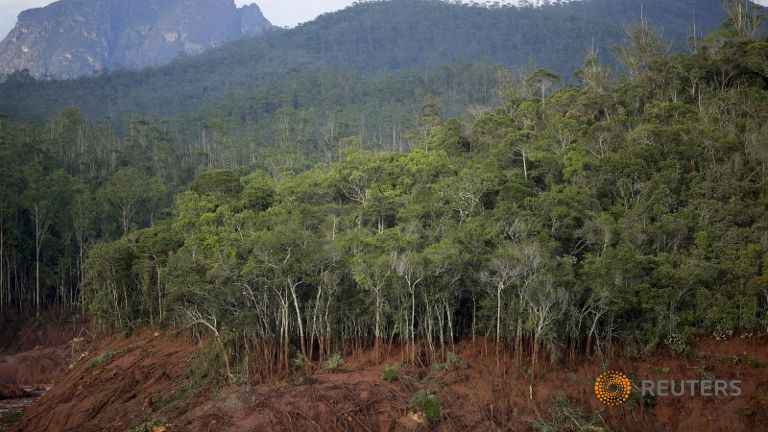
[280,12]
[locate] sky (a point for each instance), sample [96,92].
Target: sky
[280,12]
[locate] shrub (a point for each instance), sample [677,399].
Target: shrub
[390,373]
[427,403]
[11,417]
[756,364]
[335,362]
[302,380]
[452,360]
[300,360]
[438,367]
[564,413]
[100,360]
[150,426]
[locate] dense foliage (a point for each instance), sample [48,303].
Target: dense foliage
[556,222]
[632,210]
[371,37]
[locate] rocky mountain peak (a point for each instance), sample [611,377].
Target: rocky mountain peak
[72,38]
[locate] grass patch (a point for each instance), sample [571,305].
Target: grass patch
[150,426]
[428,404]
[566,415]
[12,417]
[100,360]
[756,364]
[203,374]
[452,360]
[334,363]
[390,373]
[303,380]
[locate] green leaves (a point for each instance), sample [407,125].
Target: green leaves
[220,184]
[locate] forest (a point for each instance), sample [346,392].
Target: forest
[623,210]
[373,38]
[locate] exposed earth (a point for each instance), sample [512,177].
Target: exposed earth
[161,382]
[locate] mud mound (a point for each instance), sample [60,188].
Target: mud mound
[116,385]
[124,383]
[48,331]
[345,401]
[39,366]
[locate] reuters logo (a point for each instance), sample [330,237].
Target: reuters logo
[612,388]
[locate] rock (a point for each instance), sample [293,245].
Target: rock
[413,421]
[252,21]
[72,38]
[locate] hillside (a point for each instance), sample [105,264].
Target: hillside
[370,38]
[350,245]
[72,38]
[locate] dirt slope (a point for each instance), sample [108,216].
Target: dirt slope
[149,378]
[117,383]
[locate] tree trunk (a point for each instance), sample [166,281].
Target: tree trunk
[38,246]
[377,331]
[498,323]
[412,325]
[293,286]
[525,165]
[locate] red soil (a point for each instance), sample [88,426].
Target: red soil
[36,352]
[148,372]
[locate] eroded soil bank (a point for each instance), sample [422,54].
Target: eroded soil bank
[158,382]
[33,355]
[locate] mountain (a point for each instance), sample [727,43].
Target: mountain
[72,38]
[370,38]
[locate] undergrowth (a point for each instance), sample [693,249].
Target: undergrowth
[566,415]
[427,403]
[148,426]
[334,362]
[390,373]
[99,360]
[9,417]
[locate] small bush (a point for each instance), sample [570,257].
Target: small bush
[300,360]
[756,364]
[452,360]
[390,373]
[100,360]
[11,417]
[335,362]
[302,380]
[438,367]
[427,403]
[150,426]
[563,414]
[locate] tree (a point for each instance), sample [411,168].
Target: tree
[371,272]
[221,184]
[543,79]
[642,49]
[45,198]
[592,74]
[409,267]
[125,191]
